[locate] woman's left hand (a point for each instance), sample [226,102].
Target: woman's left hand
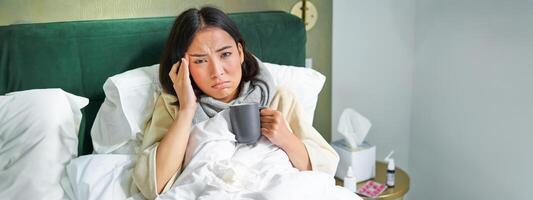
[274,127]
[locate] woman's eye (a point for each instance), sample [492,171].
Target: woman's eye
[199,61]
[226,54]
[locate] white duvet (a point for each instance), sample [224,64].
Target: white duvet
[215,168]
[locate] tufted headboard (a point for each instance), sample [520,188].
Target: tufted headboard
[79,56]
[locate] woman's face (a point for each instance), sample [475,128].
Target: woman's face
[215,63]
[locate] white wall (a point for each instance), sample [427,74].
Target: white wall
[372,59]
[473,100]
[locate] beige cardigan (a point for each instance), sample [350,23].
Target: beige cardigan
[323,157]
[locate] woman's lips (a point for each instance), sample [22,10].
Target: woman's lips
[221,85]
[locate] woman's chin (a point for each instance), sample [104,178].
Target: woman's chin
[225,95]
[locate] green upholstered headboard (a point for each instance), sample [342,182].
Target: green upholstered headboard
[79,56]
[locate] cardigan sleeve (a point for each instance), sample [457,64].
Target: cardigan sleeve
[144,171]
[322,156]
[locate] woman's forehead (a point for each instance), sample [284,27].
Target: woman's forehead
[211,39]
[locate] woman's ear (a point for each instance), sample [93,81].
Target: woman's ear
[241,52]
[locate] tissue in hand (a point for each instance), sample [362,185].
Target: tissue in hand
[349,144]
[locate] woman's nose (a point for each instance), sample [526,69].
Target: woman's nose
[217,70]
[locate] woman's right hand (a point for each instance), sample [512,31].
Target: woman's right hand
[182,84]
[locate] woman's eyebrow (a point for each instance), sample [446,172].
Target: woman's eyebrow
[197,55]
[224,48]
[203,55]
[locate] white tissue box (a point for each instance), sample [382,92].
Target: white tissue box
[362,160]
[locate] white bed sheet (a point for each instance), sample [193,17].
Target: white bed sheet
[100,177]
[215,168]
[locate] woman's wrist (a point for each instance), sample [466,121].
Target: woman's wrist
[297,153]
[184,116]
[292,146]
[290,142]
[186,111]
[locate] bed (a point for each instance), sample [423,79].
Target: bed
[79,56]
[80,59]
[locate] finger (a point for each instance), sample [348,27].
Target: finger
[273,117]
[180,70]
[185,65]
[187,58]
[185,75]
[270,126]
[266,132]
[268,120]
[173,71]
[270,113]
[266,125]
[267,112]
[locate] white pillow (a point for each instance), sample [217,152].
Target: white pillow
[130,100]
[38,137]
[131,95]
[304,83]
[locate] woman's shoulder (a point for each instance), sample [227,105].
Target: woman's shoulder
[283,92]
[167,100]
[283,97]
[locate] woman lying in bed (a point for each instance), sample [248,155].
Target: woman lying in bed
[204,68]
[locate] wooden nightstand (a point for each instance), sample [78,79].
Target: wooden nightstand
[397,193]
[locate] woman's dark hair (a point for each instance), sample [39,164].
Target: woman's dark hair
[185,27]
